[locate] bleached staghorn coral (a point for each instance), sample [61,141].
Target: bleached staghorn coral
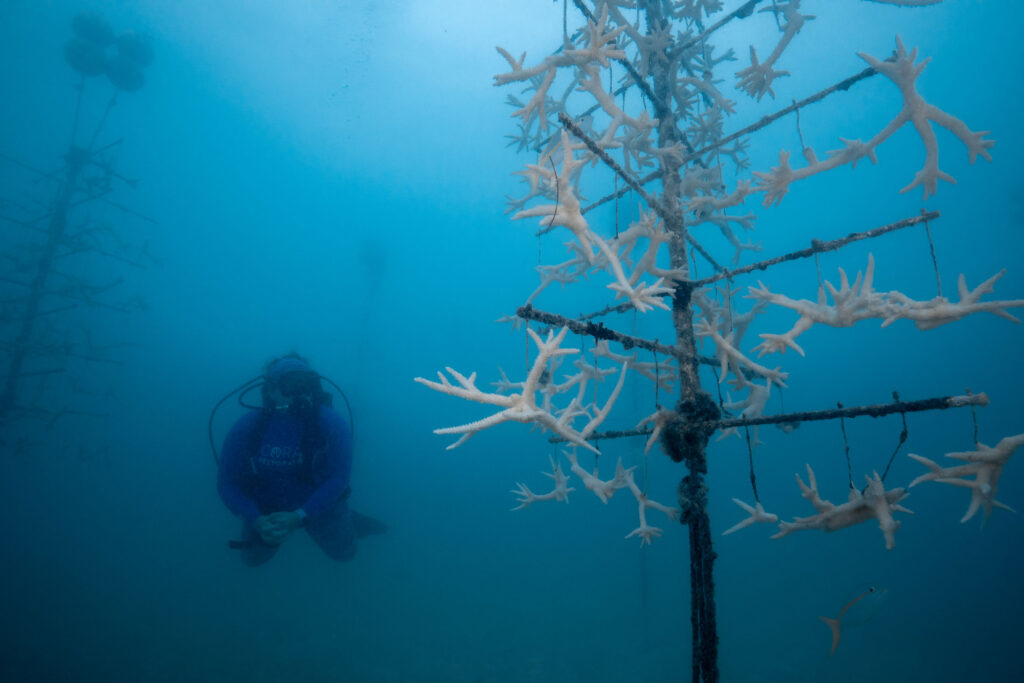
[658,420]
[851,303]
[647,228]
[560,492]
[756,514]
[859,301]
[645,532]
[599,47]
[566,212]
[757,78]
[930,314]
[726,330]
[522,407]
[903,72]
[875,502]
[604,490]
[704,208]
[650,228]
[985,464]
[731,358]
[661,373]
[750,407]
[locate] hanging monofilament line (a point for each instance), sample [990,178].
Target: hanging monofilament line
[846,446]
[974,419]
[558,192]
[718,386]
[935,261]
[750,457]
[817,266]
[799,132]
[903,439]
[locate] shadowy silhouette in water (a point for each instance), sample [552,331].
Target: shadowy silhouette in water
[859,606]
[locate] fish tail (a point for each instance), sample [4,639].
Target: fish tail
[834,625]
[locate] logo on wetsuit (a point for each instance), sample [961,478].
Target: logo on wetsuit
[279,457]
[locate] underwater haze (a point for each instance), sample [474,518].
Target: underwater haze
[331,177]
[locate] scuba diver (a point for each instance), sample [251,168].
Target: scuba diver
[288,465]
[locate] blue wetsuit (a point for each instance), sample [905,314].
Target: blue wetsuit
[278,477]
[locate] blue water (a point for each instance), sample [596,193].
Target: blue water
[330,178]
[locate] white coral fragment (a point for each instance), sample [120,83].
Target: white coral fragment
[986,466]
[902,71]
[875,502]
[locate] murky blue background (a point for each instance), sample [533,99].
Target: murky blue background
[330,177]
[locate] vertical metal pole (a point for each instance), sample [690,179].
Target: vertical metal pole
[695,405]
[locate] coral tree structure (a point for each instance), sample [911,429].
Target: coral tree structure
[633,257]
[666,116]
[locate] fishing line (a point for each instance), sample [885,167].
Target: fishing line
[750,457]
[718,386]
[902,439]
[846,444]
[799,132]
[558,195]
[935,261]
[974,418]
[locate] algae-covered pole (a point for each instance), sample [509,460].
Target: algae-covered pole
[21,346]
[695,405]
[818,247]
[794,419]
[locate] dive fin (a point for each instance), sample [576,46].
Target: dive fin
[366,525]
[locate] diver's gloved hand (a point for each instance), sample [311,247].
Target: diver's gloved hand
[287,522]
[274,528]
[267,530]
